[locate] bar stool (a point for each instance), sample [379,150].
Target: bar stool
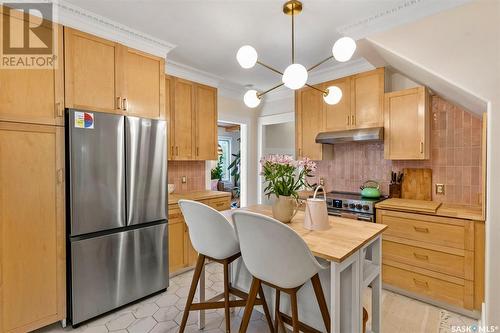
[214,238]
[276,256]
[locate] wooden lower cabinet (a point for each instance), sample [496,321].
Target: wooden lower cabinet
[181,254]
[437,258]
[32,227]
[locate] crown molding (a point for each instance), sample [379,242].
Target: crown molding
[340,70]
[405,12]
[75,17]
[225,88]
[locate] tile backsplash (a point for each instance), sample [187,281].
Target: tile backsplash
[194,172]
[455,161]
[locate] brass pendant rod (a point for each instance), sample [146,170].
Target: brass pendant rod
[269,67]
[319,63]
[293,33]
[315,88]
[259,95]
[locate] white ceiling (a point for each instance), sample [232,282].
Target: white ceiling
[208,32]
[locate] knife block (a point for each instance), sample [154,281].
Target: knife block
[395,190]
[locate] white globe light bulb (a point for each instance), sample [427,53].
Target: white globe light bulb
[333,96]
[295,76]
[251,99]
[246,56]
[343,49]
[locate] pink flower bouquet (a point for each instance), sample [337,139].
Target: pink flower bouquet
[284,175]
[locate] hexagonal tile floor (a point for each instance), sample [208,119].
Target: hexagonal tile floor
[162,313]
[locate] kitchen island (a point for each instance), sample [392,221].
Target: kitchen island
[352,251]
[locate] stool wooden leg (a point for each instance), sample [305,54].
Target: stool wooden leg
[252,295]
[226,297]
[192,290]
[266,309]
[295,312]
[316,283]
[277,317]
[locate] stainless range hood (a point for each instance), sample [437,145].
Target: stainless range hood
[354,135]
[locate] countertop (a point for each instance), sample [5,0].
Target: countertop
[447,210]
[440,209]
[342,239]
[174,198]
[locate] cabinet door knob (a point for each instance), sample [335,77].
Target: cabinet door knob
[353,121]
[421,147]
[124,104]
[118,102]
[60,176]
[58,109]
[176,151]
[197,151]
[348,120]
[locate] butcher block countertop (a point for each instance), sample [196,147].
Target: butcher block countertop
[174,198]
[343,238]
[433,208]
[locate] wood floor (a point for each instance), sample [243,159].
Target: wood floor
[162,313]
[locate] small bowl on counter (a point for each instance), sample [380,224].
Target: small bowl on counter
[171,188]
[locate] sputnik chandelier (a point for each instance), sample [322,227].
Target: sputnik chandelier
[295,76]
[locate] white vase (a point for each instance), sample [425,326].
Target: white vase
[284,208]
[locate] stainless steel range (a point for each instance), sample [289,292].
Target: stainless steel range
[351,205]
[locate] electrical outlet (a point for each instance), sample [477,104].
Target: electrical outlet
[184,179]
[439,188]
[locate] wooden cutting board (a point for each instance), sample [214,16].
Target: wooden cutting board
[409,205]
[417,184]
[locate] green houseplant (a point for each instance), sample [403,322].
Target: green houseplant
[284,177]
[216,175]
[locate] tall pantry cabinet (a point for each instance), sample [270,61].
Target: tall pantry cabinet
[32,205]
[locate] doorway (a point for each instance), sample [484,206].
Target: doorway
[228,174]
[276,135]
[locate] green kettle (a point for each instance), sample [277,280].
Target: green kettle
[370,189]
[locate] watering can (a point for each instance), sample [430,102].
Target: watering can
[316,215]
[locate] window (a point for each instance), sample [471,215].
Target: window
[225,144]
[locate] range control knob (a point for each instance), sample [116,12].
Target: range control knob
[358,206]
[366,207]
[351,205]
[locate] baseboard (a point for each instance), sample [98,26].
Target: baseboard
[468,313]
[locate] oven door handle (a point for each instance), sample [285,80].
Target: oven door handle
[365,218]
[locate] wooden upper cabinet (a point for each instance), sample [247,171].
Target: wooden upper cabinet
[206,122]
[407,125]
[167,115]
[192,119]
[143,84]
[182,117]
[105,76]
[367,99]
[338,117]
[32,227]
[309,109]
[34,95]
[92,79]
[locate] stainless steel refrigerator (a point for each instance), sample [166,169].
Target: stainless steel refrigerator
[117,211]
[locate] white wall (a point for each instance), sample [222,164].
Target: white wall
[234,111]
[278,106]
[459,51]
[279,139]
